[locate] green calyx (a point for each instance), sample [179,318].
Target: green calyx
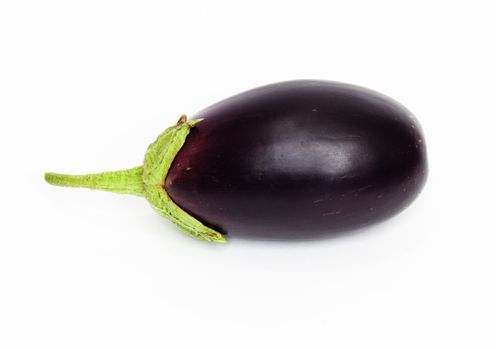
[148,181]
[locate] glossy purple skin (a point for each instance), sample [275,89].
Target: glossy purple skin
[299,159]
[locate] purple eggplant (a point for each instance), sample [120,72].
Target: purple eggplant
[292,160]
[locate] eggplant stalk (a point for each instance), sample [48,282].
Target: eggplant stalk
[129,181]
[148,181]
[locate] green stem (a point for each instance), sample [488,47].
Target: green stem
[129,181]
[148,180]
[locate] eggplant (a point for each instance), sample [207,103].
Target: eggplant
[292,160]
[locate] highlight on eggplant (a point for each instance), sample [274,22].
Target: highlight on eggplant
[292,160]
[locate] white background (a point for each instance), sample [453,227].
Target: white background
[85,86]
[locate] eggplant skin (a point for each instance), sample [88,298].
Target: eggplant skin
[298,160]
